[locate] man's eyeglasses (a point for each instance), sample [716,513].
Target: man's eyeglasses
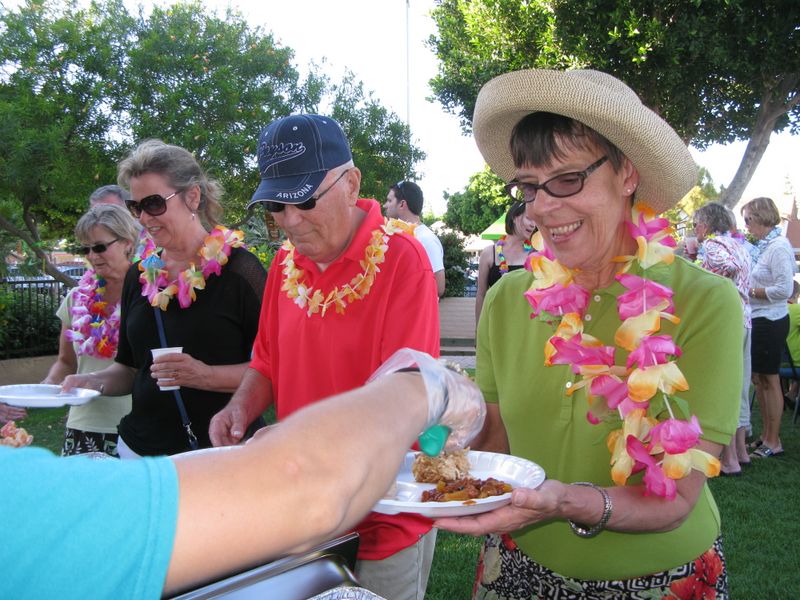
[153,205]
[560,186]
[97,248]
[309,204]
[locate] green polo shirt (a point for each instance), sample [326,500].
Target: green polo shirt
[550,428]
[793,339]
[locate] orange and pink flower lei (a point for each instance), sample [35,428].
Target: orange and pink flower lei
[212,256]
[95,324]
[314,300]
[652,438]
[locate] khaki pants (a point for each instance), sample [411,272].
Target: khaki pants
[401,576]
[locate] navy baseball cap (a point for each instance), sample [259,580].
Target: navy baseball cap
[295,154]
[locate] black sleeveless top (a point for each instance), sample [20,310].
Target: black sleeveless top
[494,271]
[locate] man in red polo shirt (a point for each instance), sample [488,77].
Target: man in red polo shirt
[344,293]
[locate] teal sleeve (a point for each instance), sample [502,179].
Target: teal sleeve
[86,528]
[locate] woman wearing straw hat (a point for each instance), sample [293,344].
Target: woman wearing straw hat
[625,384]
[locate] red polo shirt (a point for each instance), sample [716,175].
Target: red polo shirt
[311,358]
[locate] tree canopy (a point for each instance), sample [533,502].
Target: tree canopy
[479,205]
[81,83]
[716,70]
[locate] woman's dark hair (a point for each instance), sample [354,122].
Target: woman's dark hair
[514,211]
[540,137]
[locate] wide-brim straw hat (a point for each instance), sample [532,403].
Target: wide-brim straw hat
[603,103]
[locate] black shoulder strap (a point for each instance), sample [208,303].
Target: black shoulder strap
[187,425]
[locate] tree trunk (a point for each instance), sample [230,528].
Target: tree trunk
[756,147]
[49,268]
[778,99]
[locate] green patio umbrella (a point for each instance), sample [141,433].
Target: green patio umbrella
[496,230]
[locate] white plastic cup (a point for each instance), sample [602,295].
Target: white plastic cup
[161,352]
[691,245]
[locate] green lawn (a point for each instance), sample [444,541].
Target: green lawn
[760,522]
[760,526]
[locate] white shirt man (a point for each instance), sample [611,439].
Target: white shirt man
[404,201]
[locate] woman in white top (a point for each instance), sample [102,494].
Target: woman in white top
[90,318]
[772,280]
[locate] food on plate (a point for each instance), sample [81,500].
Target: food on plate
[448,466]
[16,437]
[450,472]
[466,488]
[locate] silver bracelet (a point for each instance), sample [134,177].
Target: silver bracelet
[588,532]
[102,385]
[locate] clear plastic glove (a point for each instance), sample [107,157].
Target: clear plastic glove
[454,400]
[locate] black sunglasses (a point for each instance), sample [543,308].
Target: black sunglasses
[560,186]
[153,205]
[309,204]
[97,248]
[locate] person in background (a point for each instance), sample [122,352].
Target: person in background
[161,526]
[404,201]
[203,286]
[115,194]
[507,254]
[772,284]
[793,337]
[726,256]
[792,346]
[596,363]
[90,319]
[110,194]
[107,194]
[351,285]
[11,413]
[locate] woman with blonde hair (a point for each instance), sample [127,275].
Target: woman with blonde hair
[197,288]
[771,287]
[90,318]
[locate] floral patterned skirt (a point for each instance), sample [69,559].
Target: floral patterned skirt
[507,573]
[83,442]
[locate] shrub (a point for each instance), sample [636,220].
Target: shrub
[28,322]
[456,262]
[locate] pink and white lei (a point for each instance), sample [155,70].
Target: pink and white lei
[95,324]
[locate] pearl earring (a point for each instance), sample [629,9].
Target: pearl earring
[193,216]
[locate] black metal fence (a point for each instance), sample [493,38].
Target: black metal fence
[28,322]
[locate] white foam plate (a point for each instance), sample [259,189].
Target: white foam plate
[406,494]
[43,395]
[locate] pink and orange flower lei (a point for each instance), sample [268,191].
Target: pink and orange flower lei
[212,256]
[314,300]
[95,323]
[652,438]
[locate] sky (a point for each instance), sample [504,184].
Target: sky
[369,37]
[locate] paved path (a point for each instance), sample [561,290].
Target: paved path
[457,330]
